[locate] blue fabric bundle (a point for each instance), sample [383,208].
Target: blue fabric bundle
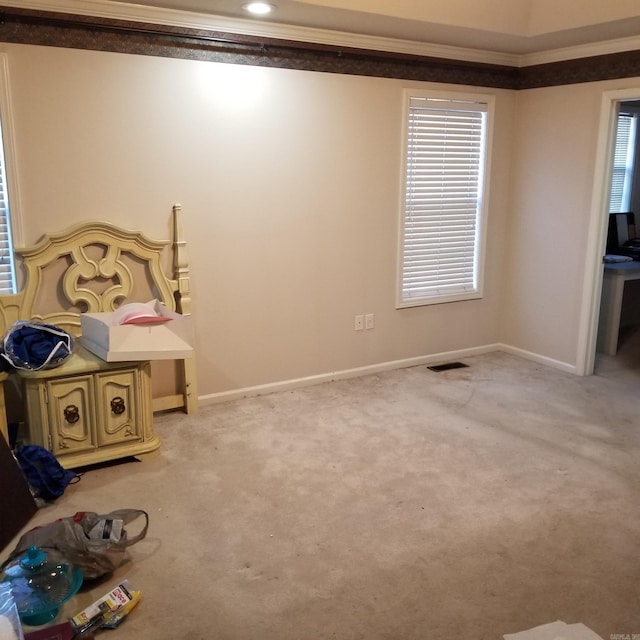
[35,345]
[44,473]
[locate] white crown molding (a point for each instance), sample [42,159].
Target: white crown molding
[189,20]
[605,47]
[257,28]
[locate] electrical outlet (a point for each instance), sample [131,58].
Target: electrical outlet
[368,321]
[359,323]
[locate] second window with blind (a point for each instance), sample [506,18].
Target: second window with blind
[625,159]
[444,201]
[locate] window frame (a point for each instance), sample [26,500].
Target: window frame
[448,101]
[623,168]
[8,149]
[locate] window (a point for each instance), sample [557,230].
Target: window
[444,198]
[622,177]
[7,264]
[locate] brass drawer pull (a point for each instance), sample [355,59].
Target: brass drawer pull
[117,405]
[71,414]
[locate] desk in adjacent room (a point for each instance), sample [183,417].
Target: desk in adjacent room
[615,275]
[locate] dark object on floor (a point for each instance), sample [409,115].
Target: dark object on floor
[17,505]
[62,631]
[447,366]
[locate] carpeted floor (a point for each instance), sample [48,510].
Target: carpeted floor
[407,505]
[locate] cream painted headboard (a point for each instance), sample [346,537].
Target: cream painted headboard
[96,267]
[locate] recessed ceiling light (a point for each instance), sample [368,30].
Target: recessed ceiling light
[259,8]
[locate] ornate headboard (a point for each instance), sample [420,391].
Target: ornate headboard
[96,267]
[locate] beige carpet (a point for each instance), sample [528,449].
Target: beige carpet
[407,505]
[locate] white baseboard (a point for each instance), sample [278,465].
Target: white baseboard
[285,385]
[536,357]
[435,358]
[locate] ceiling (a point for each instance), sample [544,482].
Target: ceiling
[505,26]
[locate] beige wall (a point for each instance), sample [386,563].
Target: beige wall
[553,177]
[290,186]
[289,182]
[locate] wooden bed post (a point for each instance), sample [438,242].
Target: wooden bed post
[183,306]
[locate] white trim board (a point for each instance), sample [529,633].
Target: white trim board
[540,359]
[597,230]
[436,358]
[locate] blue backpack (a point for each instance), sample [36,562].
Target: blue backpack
[47,477]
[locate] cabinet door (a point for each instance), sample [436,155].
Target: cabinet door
[117,407]
[71,417]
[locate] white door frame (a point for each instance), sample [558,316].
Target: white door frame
[598,226]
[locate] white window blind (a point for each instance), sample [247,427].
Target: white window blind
[443,200]
[7,264]
[622,177]
[7,267]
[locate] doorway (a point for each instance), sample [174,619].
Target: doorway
[599,224]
